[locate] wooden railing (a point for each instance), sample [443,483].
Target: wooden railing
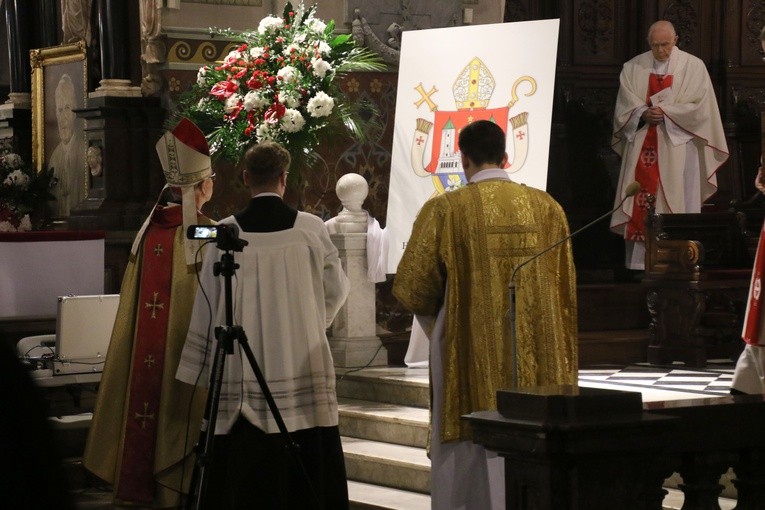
[571,448]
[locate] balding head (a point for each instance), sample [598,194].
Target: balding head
[662,39]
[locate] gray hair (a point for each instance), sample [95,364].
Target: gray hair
[662,23]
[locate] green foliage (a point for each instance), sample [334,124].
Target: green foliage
[279,84]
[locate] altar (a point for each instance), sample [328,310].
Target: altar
[38,267]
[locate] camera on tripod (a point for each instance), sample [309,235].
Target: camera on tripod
[226,236]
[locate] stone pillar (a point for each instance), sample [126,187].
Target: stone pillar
[354,341]
[16,112]
[113,37]
[17,20]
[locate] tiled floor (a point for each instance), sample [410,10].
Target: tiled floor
[663,383]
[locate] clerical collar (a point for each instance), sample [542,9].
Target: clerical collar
[267,194]
[660,67]
[490,173]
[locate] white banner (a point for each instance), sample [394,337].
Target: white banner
[450,77]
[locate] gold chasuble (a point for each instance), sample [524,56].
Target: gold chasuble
[463,248]
[145,422]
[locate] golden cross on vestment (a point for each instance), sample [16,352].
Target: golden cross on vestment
[158,250]
[426,97]
[145,416]
[154,305]
[149,361]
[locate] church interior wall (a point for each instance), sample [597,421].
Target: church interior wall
[595,39]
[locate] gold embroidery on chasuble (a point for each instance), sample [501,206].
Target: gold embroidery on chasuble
[475,237]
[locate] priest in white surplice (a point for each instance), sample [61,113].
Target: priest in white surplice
[286,293]
[668,131]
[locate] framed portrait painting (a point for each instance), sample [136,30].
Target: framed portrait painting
[59,87]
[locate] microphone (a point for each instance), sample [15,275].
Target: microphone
[629,191]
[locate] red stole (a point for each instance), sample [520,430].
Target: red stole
[753,319]
[647,168]
[136,481]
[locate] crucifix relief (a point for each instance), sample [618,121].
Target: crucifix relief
[154,306]
[145,416]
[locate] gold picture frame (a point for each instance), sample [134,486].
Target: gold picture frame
[60,86]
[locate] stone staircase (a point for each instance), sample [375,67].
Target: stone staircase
[384,424]
[384,428]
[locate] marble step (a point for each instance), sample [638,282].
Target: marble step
[388,423]
[391,385]
[364,496]
[390,465]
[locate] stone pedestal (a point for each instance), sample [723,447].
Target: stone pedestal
[115,88]
[125,176]
[16,125]
[354,341]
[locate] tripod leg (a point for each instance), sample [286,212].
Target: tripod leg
[205,445]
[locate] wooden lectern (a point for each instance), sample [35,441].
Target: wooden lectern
[697,273]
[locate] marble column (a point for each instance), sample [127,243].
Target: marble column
[17,21]
[354,341]
[16,112]
[46,24]
[113,37]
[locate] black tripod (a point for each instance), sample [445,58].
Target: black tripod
[225,336]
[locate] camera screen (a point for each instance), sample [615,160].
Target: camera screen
[205,232]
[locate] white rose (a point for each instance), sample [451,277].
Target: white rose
[292,122]
[270,24]
[289,98]
[232,57]
[232,103]
[288,74]
[263,133]
[316,25]
[17,178]
[25,225]
[323,48]
[254,100]
[320,67]
[256,51]
[320,105]
[12,160]
[201,75]
[290,48]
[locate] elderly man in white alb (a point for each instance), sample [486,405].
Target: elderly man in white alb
[68,158]
[668,131]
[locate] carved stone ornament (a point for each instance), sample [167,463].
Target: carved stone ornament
[94,160]
[75,19]
[364,36]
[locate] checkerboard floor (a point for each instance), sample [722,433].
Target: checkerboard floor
[663,382]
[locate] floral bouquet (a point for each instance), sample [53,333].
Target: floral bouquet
[279,84]
[22,191]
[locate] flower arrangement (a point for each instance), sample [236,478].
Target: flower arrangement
[22,191]
[279,84]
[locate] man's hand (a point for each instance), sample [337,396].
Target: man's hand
[653,115]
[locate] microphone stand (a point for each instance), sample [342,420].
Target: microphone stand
[225,335]
[633,188]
